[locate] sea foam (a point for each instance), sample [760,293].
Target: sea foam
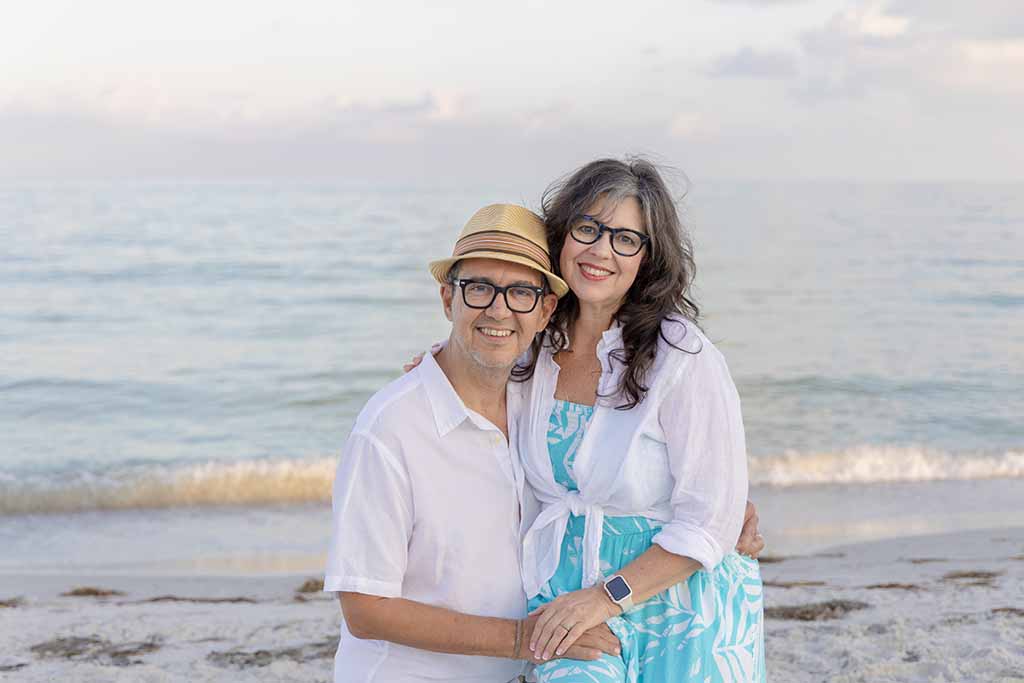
[880,464]
[283,482]
[166,486]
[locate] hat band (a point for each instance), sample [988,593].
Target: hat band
[505,243]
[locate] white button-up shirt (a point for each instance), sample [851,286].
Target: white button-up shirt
[679,457]
[426,507]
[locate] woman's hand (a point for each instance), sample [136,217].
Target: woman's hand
[590,646]
[411,365]
[566,618]
[418,358]
[751,542]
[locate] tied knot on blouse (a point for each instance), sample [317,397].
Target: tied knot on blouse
[579,507]
[552,522]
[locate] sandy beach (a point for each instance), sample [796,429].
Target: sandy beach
[184,361]
[928,608]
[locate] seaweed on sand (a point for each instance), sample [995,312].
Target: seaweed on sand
[93,649]
[818,611]
[311,586]
[793,584]
[241,659]
[90,592]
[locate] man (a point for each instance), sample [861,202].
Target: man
[429,501]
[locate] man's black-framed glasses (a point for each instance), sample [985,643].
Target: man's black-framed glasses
[625,242]
[481,294]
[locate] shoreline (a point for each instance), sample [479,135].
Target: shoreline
[284,540]
[936,607]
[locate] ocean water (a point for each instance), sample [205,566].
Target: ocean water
[187,359]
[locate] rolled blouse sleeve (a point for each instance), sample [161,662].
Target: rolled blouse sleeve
[373,521]
[703,425]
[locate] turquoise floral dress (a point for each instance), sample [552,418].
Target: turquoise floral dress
[707,630]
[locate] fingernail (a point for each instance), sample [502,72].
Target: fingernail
[559,652]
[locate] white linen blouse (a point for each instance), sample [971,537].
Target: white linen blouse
[679,457]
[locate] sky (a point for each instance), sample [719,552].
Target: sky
[415,92]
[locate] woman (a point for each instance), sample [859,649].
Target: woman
[634,445]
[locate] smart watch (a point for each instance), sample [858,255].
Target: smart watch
[619,592]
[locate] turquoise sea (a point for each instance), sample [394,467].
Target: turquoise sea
[181,362]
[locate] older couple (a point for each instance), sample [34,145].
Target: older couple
[576,445]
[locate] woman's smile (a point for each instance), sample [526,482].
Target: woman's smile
[594,272]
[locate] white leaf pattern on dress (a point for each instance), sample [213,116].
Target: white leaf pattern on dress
[720,613]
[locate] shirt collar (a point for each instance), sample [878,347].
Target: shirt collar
[449,410]
[612,337]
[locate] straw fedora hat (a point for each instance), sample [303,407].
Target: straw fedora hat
[505,232]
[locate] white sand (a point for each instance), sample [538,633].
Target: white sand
[188,632]
[945,630]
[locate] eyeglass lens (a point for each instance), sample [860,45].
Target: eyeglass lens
[624,242]
[482,295]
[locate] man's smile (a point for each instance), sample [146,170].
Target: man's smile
[495,332]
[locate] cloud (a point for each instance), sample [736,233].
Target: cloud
[750,63]
[996,19]
[86,139]
[692,125]
[883,89]
[404,141]
[914,48]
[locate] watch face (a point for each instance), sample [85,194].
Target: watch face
[618,588]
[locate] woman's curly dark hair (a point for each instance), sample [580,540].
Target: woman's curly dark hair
[662,285]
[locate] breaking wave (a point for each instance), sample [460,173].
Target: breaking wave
[283,482]
[214,483]
[879,464]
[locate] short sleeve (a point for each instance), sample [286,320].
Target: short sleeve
[373,521]
[703,425]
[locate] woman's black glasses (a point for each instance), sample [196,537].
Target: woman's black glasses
[625,242]
[518,298]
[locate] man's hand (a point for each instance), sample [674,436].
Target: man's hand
[589,646]
[751,542]
[595,641]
